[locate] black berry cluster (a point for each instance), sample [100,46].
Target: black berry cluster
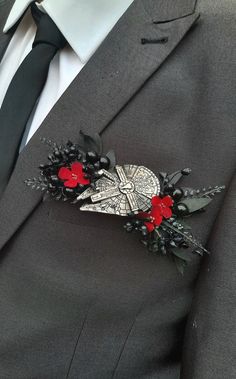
[160,240]
[168,185]
[64,156]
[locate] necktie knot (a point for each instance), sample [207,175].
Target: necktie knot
[47,31]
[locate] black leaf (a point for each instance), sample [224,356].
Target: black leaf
[181,254]
[180,265]
[88,143]
[175,177]
[196,203]
[111,156]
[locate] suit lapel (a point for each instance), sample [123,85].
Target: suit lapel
[109,80]
[5,8]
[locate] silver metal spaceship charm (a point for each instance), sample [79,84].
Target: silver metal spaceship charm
[128,189]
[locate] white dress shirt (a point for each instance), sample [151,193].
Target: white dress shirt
[84,24]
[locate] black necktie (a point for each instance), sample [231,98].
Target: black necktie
[25,89]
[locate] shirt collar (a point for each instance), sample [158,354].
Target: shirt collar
[84,23]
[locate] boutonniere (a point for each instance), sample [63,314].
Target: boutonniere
[154,205]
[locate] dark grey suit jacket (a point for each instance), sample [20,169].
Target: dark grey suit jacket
[80,298]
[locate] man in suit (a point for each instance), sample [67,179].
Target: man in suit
[80,298]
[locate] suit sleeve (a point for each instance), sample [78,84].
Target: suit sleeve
[209,349]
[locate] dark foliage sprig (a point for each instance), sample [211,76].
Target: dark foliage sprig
[88,155]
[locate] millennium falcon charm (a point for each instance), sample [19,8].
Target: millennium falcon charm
[128,189]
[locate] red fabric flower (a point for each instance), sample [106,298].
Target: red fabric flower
[160,208]
[73,176]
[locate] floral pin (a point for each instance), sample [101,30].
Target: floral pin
[153,204]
